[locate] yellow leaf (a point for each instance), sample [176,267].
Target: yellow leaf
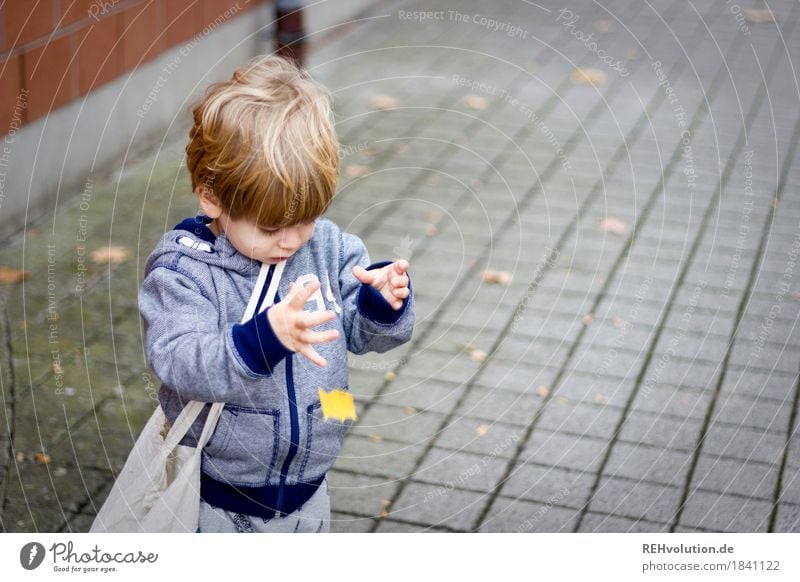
[41,458]
[9,275]
[613,225]
[475,102]
[588,76]
[110,255]
[383,102]
[337,404]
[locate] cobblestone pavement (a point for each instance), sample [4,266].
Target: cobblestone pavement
[634,364]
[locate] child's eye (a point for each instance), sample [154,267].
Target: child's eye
[270,232]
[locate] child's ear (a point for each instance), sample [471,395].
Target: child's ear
[208,202]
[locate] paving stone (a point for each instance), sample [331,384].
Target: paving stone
[649,463]
[548,485]
[744,443]
[636,499]
[375,456]
[565,451]
[406,425]
[585,387]
[599,523]
[477,436]
[436,505]
[392,526]
[680,401]
[724,513]
[661,431]
[429,395]
[758,383]
[359,494]
[584,419]
[461,470]
[343,523]
[760,414]
[788,518]
[728,476]
[517,516]
[515,376]
[501,405]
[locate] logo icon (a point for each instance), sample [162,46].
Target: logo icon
[31,556]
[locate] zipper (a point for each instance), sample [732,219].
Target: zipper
[294,437]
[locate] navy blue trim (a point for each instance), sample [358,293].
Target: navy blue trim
[197,226]
[257,345]
[294,438]
[373,305]
[258,501]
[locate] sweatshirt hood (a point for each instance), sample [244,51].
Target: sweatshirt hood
[193,238]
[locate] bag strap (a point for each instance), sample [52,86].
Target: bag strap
[192,410]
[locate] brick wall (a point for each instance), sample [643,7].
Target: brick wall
[54,51]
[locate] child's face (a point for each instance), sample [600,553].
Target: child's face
[261,244]
[265,245]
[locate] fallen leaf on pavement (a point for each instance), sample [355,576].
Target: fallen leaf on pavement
[542,391]
[499,277]
[383,102]
[401,148]
[431,229]
[600,398]
[375,438]
[409,410]
[604,25]
[612,225]
[109,255]
[588,76]
[9,275]
[475,102]
[41,458]
[477,355]
[588,318]
[618,322]
[758,15]
[482,430]
[20,456]
[391,376]
[356,170]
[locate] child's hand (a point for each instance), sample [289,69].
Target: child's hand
[293,326]
[391,281]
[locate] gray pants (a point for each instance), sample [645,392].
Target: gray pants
[313,516]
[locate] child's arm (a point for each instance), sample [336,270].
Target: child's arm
[371,323]
[188,349]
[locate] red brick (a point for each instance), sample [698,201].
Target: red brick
[100,53]
[142,36]
[182,21]
[10,85]
[72,11]
[27,21]
[50,76]
[214,9]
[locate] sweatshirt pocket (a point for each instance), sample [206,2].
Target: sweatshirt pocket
[323,442]
[244,447]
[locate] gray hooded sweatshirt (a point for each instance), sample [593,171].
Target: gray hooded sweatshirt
[271,448]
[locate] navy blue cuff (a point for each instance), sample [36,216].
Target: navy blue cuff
[257,344]
[373,305]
